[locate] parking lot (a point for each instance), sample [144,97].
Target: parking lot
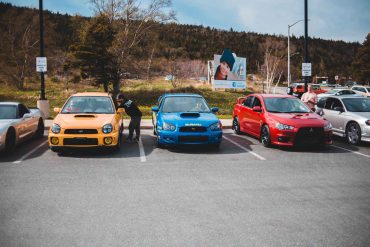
[242,194]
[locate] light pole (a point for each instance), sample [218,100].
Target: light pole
[289,26]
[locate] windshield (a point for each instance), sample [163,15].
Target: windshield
[357,104]
[285,105]
[88,104]
[8,112]
[185,104]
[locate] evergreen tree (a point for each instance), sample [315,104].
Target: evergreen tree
[361,63]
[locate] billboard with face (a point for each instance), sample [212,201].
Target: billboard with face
[229,71]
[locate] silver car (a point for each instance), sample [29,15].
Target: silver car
[350,116]
[338,92]
[18,123]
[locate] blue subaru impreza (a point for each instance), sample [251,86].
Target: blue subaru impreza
[185,119]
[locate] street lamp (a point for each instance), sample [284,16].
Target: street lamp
[289,26]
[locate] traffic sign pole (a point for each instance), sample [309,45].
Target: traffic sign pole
[41,16]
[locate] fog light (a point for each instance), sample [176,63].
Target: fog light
[54,140]
[108,140]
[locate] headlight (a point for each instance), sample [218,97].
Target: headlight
[167,126]
[328,127]
[55,128]
[281,126]
[107,128]
[215,126]
[367,122]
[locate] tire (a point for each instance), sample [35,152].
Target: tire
[265,136]
[10,141]
[236,126]
[40,129]
[154,132]
[353,133]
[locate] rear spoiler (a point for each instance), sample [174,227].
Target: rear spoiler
[240,100]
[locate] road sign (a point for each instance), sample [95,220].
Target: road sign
[41,64]
[306,69]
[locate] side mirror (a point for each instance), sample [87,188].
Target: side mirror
[27,115]
[214,109]
[56,109]
[257,109]
[155,109]
[338,108]
[120,110]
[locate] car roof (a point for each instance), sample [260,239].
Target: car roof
[181,94]
[91,94]
[346,96]
[9,103]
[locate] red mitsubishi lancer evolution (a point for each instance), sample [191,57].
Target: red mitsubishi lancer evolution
[281,120]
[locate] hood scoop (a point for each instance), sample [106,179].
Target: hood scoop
[190,114]
[85,116]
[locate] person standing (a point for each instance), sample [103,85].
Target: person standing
[309,98]
[133,111]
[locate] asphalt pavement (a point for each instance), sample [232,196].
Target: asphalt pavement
[241,194]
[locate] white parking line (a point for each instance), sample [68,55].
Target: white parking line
[352,151]
[245,149]
[29,153]
[142,152]
[244,137]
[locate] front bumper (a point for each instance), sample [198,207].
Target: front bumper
[84,140]
[180,138]
[365,133]
[300,137]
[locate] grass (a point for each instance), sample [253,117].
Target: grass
[143,93]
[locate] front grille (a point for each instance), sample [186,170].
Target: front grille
[80,141]
[309,136]
[193,129]
[81,131]
[193,138]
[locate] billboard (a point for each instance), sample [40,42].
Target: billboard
[228,71]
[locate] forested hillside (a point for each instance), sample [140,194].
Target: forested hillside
[157,53]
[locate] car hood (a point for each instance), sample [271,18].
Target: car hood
[189,118]
[83,120]
[298,119]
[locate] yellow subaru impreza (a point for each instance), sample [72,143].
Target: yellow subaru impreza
[86,120]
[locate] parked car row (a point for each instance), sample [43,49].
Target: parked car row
[93,120]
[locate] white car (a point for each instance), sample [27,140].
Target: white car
[18,123]
[338,92]
[364,90]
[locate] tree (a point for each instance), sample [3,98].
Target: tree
[93,52]
[19,46]
[130,21]
[361,62]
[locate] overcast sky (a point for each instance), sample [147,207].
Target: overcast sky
[347,20]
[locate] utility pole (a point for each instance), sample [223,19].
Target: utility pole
[41,17]
[289,26]
[42,103]
[305,41]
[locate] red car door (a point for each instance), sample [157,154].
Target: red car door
[255,117]
[245,121]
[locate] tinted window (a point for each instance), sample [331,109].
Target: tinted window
[285,105]
[184,104]
[257,102]
[8,112]
[331,103]
[88,104]
[357,104]
[248,102]
[22,110]
[321,102]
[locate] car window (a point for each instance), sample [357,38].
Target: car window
[331,103]
[22,109]
[357,104]
[321,102]
[368,89]
[88,104]
[248,101]
[256,102]
[184,104]
[8,112]
[285,105]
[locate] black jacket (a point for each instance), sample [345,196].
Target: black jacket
[131,109]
